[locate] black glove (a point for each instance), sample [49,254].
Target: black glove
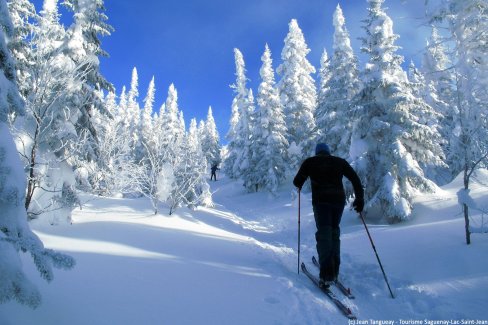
[358,205]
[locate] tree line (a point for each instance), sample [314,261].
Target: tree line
[404,130]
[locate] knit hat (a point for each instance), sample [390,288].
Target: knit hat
[322,147]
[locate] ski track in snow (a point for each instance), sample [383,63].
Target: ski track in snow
[236,263]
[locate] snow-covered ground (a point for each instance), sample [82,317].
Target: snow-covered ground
[236,263]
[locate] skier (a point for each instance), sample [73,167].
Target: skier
[213,170]
[328,201]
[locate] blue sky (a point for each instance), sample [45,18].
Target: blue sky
[190,42]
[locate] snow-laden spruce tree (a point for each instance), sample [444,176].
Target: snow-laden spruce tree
[245,166]
[191,187]
[467,22]
[89,24]
[240,123]
[334,115]
[133,111]
[438,91]
[395,131]
[323,91]
[146,127]
[298,95]
[47,137]
[83,46]
[115,172]
[15,234]
[269,133]
[230,151]
[24,17]
[210,140]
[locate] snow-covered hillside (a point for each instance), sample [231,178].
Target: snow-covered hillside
[236,263]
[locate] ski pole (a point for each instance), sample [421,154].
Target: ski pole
[377,257]
[298,265]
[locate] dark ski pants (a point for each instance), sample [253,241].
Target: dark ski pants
[327,219]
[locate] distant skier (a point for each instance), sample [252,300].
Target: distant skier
[213,170]
[328,201]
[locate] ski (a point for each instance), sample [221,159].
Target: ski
[343,308]
[346,291]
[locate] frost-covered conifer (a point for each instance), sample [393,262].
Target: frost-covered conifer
[89,24]
[146,127]
[15,234]
[230,150]
[192,187]
[298,94]
[395,131]
[339,84]
[210,140]
[24,16]
[270,144]
[244,166]
[47,137]
[239,104]
[467,22]
[133,109]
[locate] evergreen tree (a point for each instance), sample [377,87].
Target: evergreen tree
[193,169]
[24,16]
[210,140]
[298,94]
[238,123]
[133,110]
[47,137]
[15,234]
[90,23]
[83,46]
[146,127]
[467,22]
[341,83]
[244,166]
[323,92]
[438,91]
[231,149]
[270,153]
[395,130]
[172,123]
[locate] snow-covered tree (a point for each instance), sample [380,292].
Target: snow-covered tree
[191,187]
[83,46]
[210,140]
[89,24]
[240,105]
[396,131]
[467,22]
[438,91]
[298,94]
[244,166]
[269,134]
[47,137]
[231,150]
[115,171]
[24,17]
[146,128]
[133,110]
[339,85]
[323,91]
[15,234]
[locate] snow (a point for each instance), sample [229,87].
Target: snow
[236,263]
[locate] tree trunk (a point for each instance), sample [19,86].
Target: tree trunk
[32,183]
